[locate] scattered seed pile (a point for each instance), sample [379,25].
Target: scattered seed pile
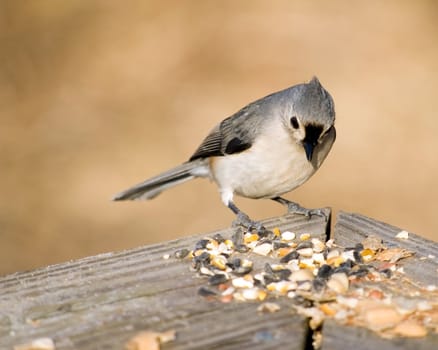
[362,285]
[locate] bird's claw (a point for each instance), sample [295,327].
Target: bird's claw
[295,208]
[243,220]
[318,212]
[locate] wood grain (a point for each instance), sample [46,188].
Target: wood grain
[100,302]
[354,228]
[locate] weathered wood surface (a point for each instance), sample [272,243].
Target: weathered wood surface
[100,302]
[354,228]
[337,337]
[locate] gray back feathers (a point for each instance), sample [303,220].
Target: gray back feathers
[234,134]
[237,132]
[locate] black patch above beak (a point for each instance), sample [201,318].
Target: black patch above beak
[313,132]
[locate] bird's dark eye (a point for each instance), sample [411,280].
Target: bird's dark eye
[294,122]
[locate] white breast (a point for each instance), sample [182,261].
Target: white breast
[275,164]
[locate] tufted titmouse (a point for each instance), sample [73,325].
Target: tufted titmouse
[266,149]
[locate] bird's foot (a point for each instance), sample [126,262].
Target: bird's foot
[295,208]
[243,220]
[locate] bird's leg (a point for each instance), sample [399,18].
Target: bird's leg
[244,220]
[295,208]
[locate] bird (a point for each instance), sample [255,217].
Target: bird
[266,149]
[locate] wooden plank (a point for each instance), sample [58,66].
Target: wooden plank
[336,337]
[100,302]
[354,228]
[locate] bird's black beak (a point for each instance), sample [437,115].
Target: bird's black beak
[309,146]
[313,132]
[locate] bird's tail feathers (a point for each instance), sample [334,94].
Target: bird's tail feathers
[154,186]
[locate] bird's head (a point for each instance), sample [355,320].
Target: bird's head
[310,115]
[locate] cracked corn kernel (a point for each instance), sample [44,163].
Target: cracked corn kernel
[212,244]
[335,261]
[367,255]
[276,231]
[283,251]
[220,262]
[262,295]
[253,294]
[282,287]
[251,237]
[304,266]
[229,243]
[327,309]
[305,236]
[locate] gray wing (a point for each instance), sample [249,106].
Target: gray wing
[234,134]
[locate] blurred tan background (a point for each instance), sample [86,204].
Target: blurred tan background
[96,96]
